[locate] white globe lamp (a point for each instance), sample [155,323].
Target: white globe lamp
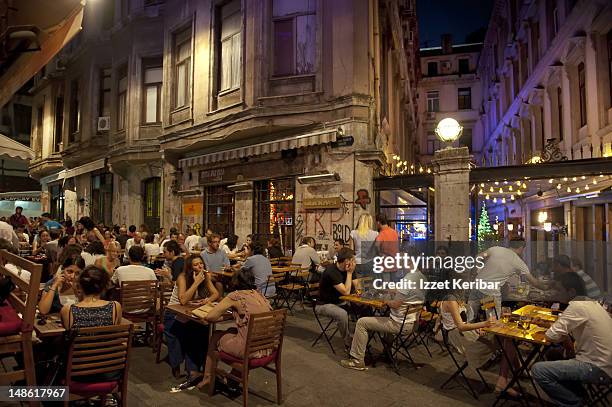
[448,130]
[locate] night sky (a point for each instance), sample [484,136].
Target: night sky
[458,17]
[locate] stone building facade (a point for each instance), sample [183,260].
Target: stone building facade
[278,92]
[261,107]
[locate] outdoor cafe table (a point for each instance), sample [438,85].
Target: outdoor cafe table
[510,330]
[53,326]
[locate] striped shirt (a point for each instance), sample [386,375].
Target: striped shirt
[590,285]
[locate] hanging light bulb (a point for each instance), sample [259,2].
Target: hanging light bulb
[480,192]
[510,188]
[600,175]
[594,181]
[558,186]
[512,197]
[482,185]
[503,200]
[577,190]
[524,185]
[583,177]
[494,200]
[487,197]
[491,189]
[519,192]
[569,189]
[501,190]
[496,182]
[586,187]
[574,179]
[429,170]
[565,179]
[550,181]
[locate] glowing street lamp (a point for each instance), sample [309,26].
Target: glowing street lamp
[448,130]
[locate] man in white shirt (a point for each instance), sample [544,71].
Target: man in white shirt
[306,255]
[590,326]
[501,263]
[192,241]
[134,241]
[7,232]
[403,305]
[135,271]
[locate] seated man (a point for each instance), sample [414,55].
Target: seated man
[399,305]
[590,326]
[135,271]
[337,280]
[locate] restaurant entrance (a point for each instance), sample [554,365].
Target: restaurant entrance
[275,211]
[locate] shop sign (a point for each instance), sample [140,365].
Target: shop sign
[334,202]
[343,141]
[213,175]
[192,207]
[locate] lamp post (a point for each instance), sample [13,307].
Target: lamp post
[448,130]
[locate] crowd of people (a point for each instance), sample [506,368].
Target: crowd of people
[89,260]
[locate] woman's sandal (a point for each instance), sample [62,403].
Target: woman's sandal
[205,382]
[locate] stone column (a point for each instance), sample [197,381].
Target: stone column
[452,194]
[568,128]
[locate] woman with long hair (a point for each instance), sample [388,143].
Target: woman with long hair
[60,290]
[244,301]
[185,339]
[362,242]
[110,261]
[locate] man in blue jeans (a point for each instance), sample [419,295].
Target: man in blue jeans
[590,326]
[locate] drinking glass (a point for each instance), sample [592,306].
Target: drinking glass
[505,314]
[525,322]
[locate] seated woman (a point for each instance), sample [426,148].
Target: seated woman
[91,310]
[185,339]
[274,248]
[60,290]
[110,261]
[468,338]
[39,245]
[246,300]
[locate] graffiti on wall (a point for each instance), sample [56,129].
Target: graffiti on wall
[325,225]
[363,198]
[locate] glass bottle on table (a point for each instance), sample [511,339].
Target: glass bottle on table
[506,312]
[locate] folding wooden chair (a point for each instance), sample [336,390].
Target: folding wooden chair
[265,331]
[94,351]
[403,340]
[295,286]
[487,307]
[460,367]
[16,332]
[324,329]
[165,292]
[139,304]
[273,281]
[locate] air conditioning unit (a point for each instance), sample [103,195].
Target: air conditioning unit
[104,123]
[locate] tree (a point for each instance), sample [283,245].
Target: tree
[485,231]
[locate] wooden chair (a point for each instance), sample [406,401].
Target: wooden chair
[273,281]
[100,350]
[139,304]
[265,331]
[459,372]
[165,292]
[295,286]
[16,335]
[404,339]
[486,305]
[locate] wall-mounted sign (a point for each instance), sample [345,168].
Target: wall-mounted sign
[343,141]
[192,206]
[334,202]
[213,175]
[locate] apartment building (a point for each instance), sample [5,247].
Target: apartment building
[449,87]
